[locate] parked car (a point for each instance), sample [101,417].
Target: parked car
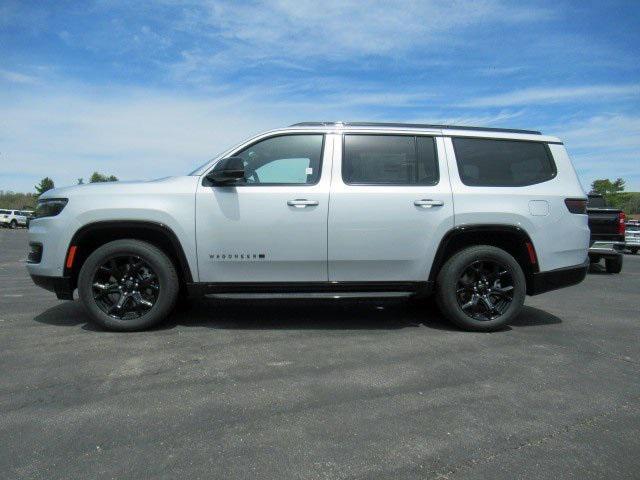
[478,216]
[607,225]
[13,218]
[632,236]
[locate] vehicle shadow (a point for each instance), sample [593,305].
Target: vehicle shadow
[298,314]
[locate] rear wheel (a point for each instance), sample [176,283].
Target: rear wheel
[13,224]
[128,285]
[613,265]
[481,288]
[633,251]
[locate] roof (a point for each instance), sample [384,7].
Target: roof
[414,125]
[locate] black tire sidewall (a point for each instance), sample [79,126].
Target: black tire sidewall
[613,265]
[447,286]
[160,264]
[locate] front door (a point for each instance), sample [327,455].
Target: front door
[272,226]
[390,205]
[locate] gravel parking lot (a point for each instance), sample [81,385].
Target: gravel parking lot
[321,388]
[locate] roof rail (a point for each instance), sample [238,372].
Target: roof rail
[414,125]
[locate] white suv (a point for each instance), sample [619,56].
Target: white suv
[14,218]
[480,217]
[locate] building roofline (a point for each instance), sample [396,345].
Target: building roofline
[414,125]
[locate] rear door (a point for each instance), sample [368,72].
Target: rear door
[390,205]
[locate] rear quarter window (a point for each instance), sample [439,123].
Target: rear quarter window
[484,162]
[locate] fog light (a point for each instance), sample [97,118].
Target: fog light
[35,253]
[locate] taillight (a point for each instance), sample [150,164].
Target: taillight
[576,205]
[621,223]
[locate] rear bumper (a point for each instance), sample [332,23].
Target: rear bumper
[542,282]
[606,249]
[61,286]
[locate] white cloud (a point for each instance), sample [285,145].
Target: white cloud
[604,146]
[16,77]
[235,35]
[529,96]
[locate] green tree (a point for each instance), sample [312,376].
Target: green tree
[612,191]
[45,184]
[98,178]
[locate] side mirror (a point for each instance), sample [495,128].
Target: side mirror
[226,171]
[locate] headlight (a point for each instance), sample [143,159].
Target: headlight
[49,207]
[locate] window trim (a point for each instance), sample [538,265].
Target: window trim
[262,139]
[392,134]
[550,159]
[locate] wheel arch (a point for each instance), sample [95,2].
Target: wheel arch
[511,238]
[93,235]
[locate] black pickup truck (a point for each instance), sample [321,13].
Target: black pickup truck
[607,227]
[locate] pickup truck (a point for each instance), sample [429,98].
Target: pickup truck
[607,227]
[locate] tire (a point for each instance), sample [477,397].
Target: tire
[159,273]
[633,251]
[455,269]
[13,225]
[613,265]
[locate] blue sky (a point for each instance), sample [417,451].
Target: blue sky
[148,89]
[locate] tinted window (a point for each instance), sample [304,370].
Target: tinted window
[596,201]
[389,160]
[287,159]
[4,212]
[502,163]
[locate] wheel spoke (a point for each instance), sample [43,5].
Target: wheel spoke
[471,303]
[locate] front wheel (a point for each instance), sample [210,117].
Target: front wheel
[481,288]
[128,285]
[13,225]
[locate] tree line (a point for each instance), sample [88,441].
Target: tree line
[614,193]
[27,201]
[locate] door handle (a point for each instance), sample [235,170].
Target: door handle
[428,203]
[302,203]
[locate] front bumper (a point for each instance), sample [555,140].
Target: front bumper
[542,282]
[61,286]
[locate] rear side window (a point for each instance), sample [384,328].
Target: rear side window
[502,163]
[389,160]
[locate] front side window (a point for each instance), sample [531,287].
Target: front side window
[502,163]
[283,160]
[389,160]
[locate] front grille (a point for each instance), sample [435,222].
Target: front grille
[35,253]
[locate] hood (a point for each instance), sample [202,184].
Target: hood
[109,187]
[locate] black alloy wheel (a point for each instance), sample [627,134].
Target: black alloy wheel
[485,290]
[125,287]
[128,285]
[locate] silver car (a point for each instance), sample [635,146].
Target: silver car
[632,237]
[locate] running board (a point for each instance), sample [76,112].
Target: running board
[317,295]
[199,289]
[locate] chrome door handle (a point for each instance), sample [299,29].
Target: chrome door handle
[302,203]
[428,203]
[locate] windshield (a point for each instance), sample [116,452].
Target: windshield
[196,171]
[631,227]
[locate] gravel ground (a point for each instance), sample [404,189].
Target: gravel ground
[321,389]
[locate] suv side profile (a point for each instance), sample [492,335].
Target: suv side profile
[14,218]
[479,217]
